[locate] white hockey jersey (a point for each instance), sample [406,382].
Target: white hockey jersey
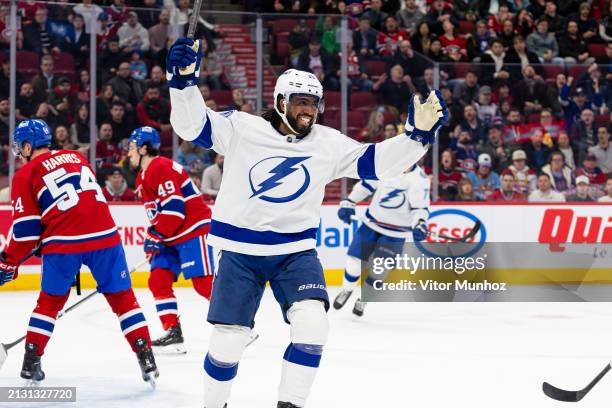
[273,185]
[398,203]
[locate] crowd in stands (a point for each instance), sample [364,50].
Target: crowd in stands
[528,83]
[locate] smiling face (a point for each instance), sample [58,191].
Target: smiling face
[301,112]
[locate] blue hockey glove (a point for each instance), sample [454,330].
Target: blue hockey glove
[346,211]
[419,231]
[153,242]
[424,119]
[8,270]
[183,63]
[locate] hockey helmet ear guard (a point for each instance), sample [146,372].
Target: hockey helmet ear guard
[33,131]
[295,82]
[144,135]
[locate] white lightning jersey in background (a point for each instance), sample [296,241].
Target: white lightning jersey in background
[272,188]
[398,203]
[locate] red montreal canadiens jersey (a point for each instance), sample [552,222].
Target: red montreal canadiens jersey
[57,202]
[172,201]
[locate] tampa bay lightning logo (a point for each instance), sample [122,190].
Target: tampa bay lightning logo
[279,179]
[394,199]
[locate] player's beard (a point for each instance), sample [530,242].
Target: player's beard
[298,125]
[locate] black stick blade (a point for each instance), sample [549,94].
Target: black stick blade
[561,395]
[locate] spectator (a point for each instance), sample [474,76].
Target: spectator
[46,80]
[106,31]
[537,152]
[530,93]
[495,21]
[43,112]
[127,88]
[598,91]
[605,26]
[602,151]
[412,64]
[81,89]
[572,108]
[395,90]
[425,84]
[375,127]
[466,191]
[508,34]
[86,10]
[116,188]
[104,102]
[519,57]
[327,29]
[421,41]
[122,126]
[439,12]
[587,26]
[487,111]
[524,175]
[607,198]
[158,37]
[597,177]
[387,41]
[524,22]
[496,149]
[410,16]
[466,92]
[138,67]
[390,131]
[485,180]
[376,15]
[61,139]
[111,57]
[154,111]
[468,9]
[560,175]
[26,102]
[356,70]
[554,91]
[79,130]
[323,65]
[550,128]
[364,39]
[581,193]
[544,192]
[452,43]
[556,23]
[132,35]
[149,15]
[537,8]
[59,99]
[211,178]
[78,41]
[38,36]
[494,71]
[544,44]
[448,177]
[584,133]
[158,79]
[192,156]
[298,39]
[564,145]
[5,110]
[572,47]
[118,13]
[472,124]
[237,99]
[107,153]
[507,191]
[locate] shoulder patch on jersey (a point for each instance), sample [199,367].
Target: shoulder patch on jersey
[227,113]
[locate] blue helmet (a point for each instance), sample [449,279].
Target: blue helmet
[144,135]
[34,131]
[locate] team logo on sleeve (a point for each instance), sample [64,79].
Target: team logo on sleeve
[279,179]
[394,199]
[151,210]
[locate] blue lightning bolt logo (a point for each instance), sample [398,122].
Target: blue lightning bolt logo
[287,166]
[391,195]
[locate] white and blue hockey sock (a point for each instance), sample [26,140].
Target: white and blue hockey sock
[219,382]
[352,272]
[300,364]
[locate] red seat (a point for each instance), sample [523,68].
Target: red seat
[462,68]
[389,118]
[602,120]
[63,65]
[466,27]
[576,70]
[283,25]
[282,45]
[533,117]
[363,100]
[222,97]
[552,70]
[27,64]
[355,119]
[597,50]
[332,100]
[375,68]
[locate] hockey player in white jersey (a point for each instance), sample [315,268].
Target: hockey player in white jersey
[267,211]
[398,211]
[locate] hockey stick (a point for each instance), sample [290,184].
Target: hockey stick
[573,396]
[434,235]
[193,21]
[5,347]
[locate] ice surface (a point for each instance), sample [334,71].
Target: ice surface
[424,355]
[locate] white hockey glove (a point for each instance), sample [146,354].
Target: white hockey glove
[424,119]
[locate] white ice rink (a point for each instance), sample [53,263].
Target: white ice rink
[422,355]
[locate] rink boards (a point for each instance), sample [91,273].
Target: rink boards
[552,226]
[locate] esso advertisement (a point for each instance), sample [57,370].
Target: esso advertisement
[454,223]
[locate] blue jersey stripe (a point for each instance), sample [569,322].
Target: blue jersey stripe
[74,241]
[175,205]
[27,228]
[188,190]
[46,199]
[232,233]
[365,164]
[204,139]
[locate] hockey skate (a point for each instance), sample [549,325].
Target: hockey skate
[359,307]
[170,343]
[146,360]
[342,298]
[286,405]
[31,370]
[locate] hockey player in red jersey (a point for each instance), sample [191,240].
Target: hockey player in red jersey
[59,207]
[176,239]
